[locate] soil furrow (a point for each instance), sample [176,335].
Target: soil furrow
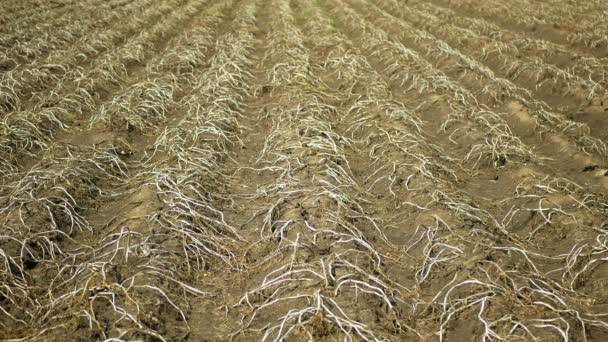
[286,170]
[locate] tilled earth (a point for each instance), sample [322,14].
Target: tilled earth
[284,170]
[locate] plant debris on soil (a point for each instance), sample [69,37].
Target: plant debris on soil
[290,170]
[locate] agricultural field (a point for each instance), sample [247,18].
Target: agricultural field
[290,170]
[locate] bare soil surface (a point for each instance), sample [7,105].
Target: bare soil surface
[285,170]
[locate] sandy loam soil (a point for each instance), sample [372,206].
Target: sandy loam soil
[286,170]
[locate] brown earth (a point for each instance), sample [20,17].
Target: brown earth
[288,170]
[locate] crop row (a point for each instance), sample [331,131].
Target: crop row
[86,262]
[493,90]
[585,66]
[580,26]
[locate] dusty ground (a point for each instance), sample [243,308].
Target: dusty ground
[303,170]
